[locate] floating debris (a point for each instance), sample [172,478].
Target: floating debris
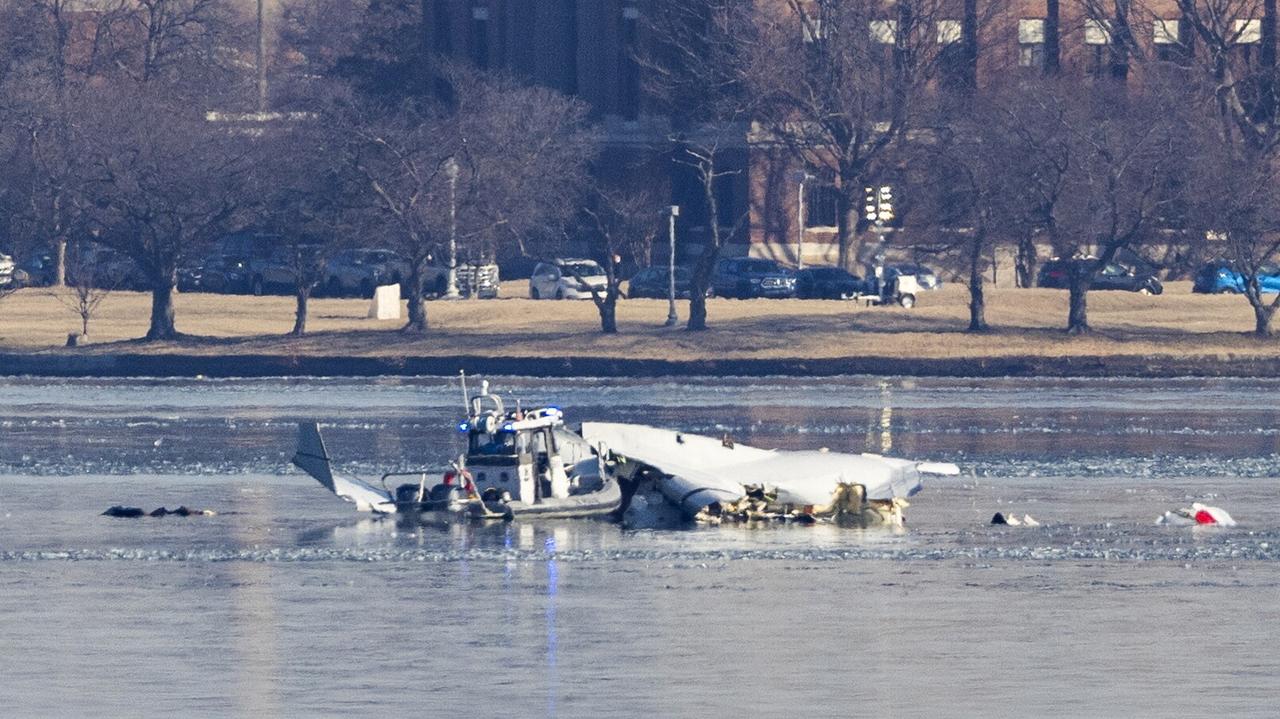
[1196,514]
[1013,521]
[134,512]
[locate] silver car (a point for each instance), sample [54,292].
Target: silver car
[567,279]
[7,267]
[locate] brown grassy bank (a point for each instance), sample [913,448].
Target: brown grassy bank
[1178,328]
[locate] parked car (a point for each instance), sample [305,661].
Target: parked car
[103,267]
[8,271]
[1220,277]
[571,279]
[217,273]
[654,282]
[279,271]
[40,269]
[1113,276]
[747,277]
[482,278]
[828,283]
[926,278]
[358,272]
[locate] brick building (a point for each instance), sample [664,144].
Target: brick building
[586,48]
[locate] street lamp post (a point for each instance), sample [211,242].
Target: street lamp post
[801,177]
[672,319]
[451,171]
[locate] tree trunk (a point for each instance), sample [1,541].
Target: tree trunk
[1262,315]
[162,327]
[300,313]
[417,310]
[847,215]
[609,314]
[1026,261]
[710,251]
[1262,311]
[1052,46]
[60,270]
[977,299]
[698,285]
[1080,274]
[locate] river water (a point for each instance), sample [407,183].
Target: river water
[287,603]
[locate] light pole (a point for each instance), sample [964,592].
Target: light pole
[451,171]
[801,177]
[672,319]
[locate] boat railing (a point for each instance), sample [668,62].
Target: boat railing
[420,475]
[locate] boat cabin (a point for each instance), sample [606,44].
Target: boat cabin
[515,453]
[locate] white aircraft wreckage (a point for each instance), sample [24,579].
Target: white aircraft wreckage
[526,464]
[714,480]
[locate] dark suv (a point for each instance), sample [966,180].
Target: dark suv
[1056,273]
[747,277]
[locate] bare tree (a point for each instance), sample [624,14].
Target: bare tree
[86,291]
[1226,53]
[1234,201]
[302,200]
[162,182]
[495,162]
[974,196]
[401,156]
[1123,158]
[48,173]
[620,222]
[840,81]
[696,71]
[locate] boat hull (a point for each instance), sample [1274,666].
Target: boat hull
[601,503]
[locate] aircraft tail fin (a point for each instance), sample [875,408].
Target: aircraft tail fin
[313,458]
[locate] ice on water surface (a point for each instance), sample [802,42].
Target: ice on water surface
[287,603]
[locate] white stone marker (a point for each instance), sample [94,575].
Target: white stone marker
[386,303]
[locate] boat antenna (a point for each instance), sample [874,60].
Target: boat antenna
[466,401]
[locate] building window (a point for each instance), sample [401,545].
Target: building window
[1031,43]
[1246,35]
[884,32]
[480,37]
[951,56]
[1168,40]
[629,106]
[884,36]
[821,203]
[1097,36]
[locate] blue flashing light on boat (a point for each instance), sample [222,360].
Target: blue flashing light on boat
[464,426]
[508,427]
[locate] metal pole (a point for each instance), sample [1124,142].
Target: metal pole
[672,319]
[451,169]
[800,225]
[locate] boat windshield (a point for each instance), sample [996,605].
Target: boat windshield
[498,443]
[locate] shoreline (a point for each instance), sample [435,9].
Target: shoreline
[129,365]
